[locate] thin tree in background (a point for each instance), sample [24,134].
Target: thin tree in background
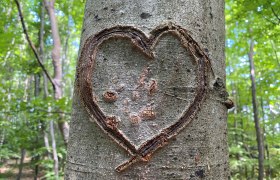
[64,128]
[56,81]
[256,112]
[45,80]
[56,57]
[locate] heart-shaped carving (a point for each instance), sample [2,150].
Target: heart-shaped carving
[146,45]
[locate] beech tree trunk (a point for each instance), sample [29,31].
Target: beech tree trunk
[199,151]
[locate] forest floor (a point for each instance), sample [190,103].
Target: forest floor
[10,170]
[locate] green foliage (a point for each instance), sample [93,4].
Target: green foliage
[6,153]
[256,20]
[25,118]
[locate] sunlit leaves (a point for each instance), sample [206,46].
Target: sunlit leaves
[24,117]
[245,20]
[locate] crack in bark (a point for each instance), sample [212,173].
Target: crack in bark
[145,45]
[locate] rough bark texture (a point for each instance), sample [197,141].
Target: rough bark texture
[256,113]
[200,149]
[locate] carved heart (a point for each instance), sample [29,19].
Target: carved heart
[143,88]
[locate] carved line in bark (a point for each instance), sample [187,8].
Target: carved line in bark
[145,45]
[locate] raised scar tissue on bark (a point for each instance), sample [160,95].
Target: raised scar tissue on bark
[146,45]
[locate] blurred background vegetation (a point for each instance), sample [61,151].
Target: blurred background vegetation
[28,108]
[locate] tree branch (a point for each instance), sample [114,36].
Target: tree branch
[275,52]
[269,20]
[275,14]
[32,45]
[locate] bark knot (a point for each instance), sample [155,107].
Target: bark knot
[110,96]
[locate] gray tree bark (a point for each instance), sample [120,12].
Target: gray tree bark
[200,149]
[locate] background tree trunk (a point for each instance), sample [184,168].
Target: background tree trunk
[56,57]
[200,150]
[22,157]
[256,112]
[55,157]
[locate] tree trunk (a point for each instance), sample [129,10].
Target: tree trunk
[256,112]
[150,94]
[55,157]
[36,158]
[22,157]
[37,88]
[45,80]
[63,125]
[56,49]
[41,47]
[265,142]
[2,138]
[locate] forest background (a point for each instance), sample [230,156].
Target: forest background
[33,117]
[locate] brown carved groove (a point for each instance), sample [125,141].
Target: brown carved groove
[145,45]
